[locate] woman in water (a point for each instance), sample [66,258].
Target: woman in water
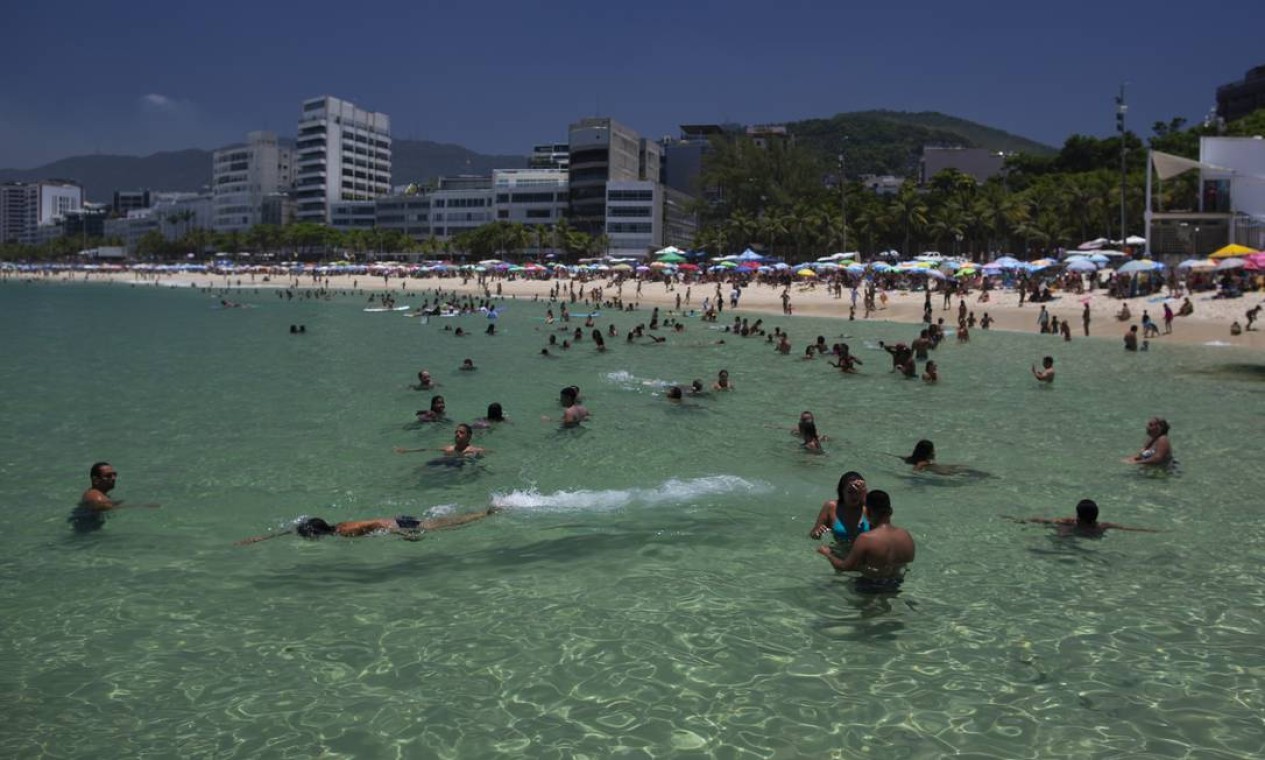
[844,516]
[923,458]
[1156,452]
[435,413]
[495,415]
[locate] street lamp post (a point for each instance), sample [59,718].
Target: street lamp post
[1121,109]
[843,204]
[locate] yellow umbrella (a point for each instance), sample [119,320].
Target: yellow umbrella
[1231,250]
[806,273]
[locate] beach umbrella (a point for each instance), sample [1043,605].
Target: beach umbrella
[1007,262]
[622,268]
[643,269]
[806,272]
[1043,263]
[728,265]
[1093,245]
[1256,262]
[688,267]
[671,258]
[1225,264]
[749,255]
[1082,265]
[1232,250]
[669,250]
[1197,264]
[935,274]
[1140,265]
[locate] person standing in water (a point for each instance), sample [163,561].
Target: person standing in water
[95,502]
[880,554]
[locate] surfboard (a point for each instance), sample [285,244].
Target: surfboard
[380,309]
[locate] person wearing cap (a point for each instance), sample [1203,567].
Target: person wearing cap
[879,554]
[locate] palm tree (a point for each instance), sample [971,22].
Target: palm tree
[909,211]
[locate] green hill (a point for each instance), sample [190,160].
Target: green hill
[891,142]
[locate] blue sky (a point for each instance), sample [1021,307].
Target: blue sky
[134,78]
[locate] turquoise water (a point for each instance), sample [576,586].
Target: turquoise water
[649,590]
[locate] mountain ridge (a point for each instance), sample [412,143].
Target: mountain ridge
[874,142]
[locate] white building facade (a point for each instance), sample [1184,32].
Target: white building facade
[634,217]
[25,206]
[242,176]
[342,154]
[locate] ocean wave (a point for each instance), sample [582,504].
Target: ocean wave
[629,381]
[672,491]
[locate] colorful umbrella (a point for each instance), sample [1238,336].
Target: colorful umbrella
[1232,250]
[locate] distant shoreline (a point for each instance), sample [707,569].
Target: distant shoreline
[1210,324]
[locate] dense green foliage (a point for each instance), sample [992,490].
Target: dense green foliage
[785,198]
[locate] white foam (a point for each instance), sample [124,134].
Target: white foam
[671,491]
[1217,343]
[629,381]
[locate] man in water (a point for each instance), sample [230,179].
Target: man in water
[1046,373]
[1085,524]
[406,527]
[95,502]
[879,554]
[460,446]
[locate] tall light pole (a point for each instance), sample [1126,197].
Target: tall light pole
[1121,109]
[843,204]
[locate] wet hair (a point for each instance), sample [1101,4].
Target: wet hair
[435,400]
[848,477]
[674,392]
[95,472]
[697,385]
[808,430]
[313,527]
[924,451]
[569,394]
[1048,361]
[1087,511]
[495,412]
[469,430]
[1163,423]
[878,502]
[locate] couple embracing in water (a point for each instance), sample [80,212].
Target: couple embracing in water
[861,521]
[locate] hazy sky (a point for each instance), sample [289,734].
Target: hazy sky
[98,77]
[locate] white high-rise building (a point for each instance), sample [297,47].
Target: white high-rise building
[25,206]
[243,175]
[343,153]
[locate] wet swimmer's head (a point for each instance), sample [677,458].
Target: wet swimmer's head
[1087,512]
[495,412]
[313,527]
[1157,426]
[569,395]
[924,451]
[103,476]
[675,393]
[878,503]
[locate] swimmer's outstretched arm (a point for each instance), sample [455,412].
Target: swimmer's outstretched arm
[257,539]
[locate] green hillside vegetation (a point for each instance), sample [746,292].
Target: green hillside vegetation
[890,142]
[785,199]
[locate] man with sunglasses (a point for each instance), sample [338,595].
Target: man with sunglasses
[90,514]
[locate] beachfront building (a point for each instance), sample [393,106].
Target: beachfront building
[81,224]
[243,175]
[549,156]
[173,215]
[601,150]
[1238,99]
[979,163]
[1231,199]
[24,206]
[643,217]
[129,200]
[342,155]
[534,197]
[407,212]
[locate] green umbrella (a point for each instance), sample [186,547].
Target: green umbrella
[672,258]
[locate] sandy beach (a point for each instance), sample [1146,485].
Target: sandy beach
[1210,323]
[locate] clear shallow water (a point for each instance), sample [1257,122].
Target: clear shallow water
[649,590]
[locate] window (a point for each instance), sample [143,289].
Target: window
[626,211]
[628,228]
[539,213]
[630,195]
[532,197]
